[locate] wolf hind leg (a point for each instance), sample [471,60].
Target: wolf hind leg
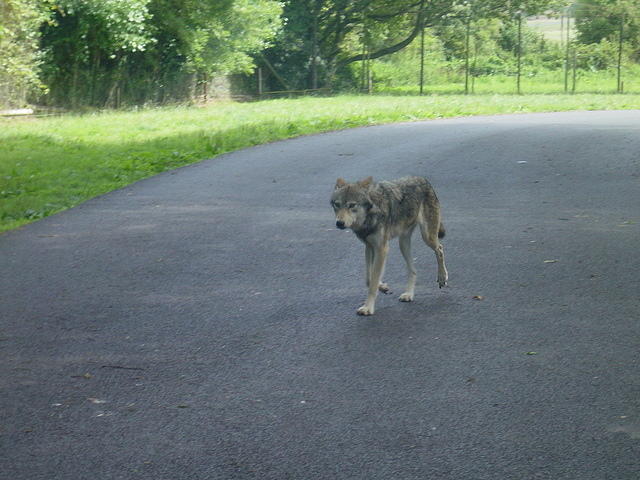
[405,249]
[429,229]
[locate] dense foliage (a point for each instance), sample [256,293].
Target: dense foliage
[606,20]
[19,54]
[101,52]
[321,38]
[109,53]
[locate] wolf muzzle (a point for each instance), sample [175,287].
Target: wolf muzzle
[340,224]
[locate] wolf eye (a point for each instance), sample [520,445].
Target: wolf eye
[336,204]
[351,205]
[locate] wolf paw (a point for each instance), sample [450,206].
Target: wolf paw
[406,297]
[384,288]
[442,280]
[365,311]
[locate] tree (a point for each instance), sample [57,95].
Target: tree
[329,35]
[216,36]
[20,58]
[598,20]
[197,40]
[108,52]
[317,38]
[86,46]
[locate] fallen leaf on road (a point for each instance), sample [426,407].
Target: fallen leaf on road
[551,261]
[478,297]
[96,400]
[532,353]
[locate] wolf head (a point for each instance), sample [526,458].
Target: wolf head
[351,203]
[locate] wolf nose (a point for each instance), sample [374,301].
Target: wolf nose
[340,224]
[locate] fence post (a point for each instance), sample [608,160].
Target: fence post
[566,60]
[466,56]
[422,61]
[518,89]
[575,67]
[314,53]
[475,64]
[620,53]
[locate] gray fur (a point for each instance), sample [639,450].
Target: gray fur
[378,212]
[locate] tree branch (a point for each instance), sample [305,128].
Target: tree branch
[419,25]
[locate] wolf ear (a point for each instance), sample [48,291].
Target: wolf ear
[366,182]
[340,183]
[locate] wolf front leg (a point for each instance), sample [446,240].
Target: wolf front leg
[368,255]
[368,258]
[376,255]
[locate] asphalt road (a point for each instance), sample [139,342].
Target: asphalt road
[201,324]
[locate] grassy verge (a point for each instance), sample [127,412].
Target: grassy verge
[50,164]
[543,82]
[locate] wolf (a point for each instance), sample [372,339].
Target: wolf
[378,212]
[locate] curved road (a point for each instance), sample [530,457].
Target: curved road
[201,324]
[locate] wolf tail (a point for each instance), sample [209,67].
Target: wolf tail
[441,231]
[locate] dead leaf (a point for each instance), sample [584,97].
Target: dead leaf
[478,297]
[551,261]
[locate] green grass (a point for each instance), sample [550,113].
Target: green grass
[540,82]
[50,164]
